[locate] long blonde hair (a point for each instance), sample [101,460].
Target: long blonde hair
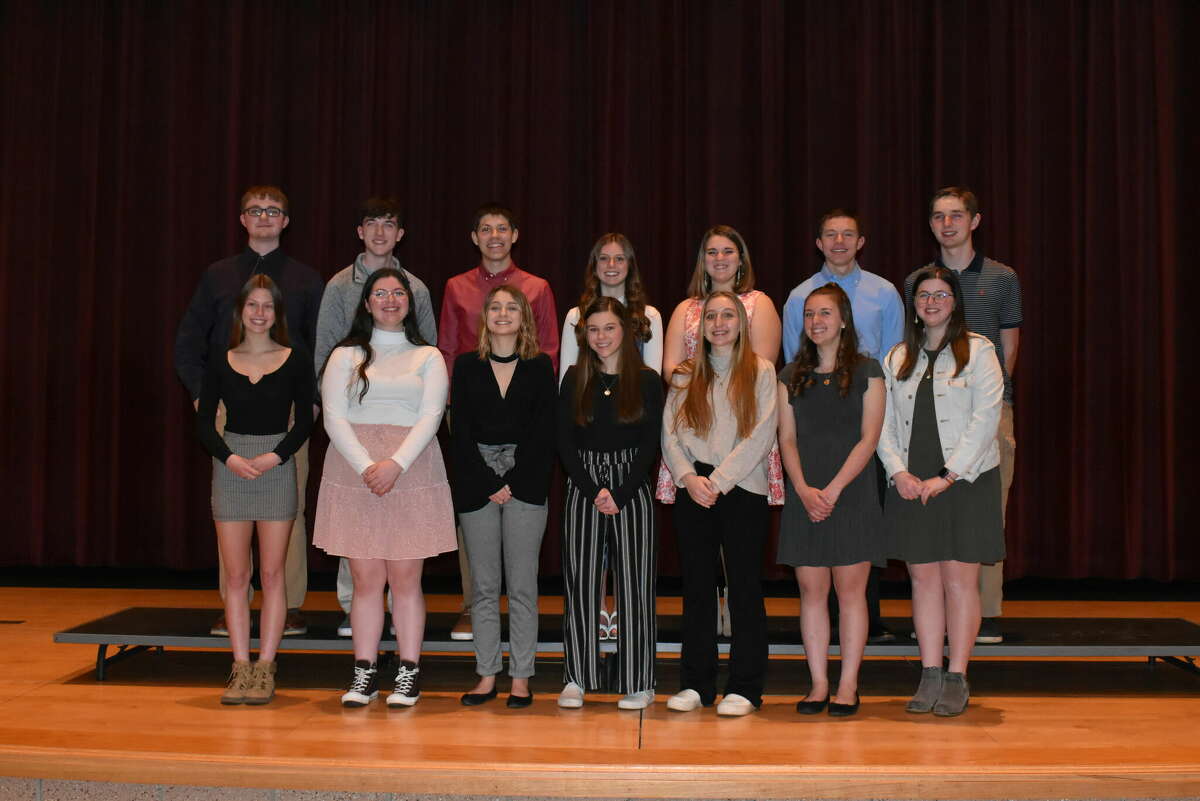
[527,339]
[696,410]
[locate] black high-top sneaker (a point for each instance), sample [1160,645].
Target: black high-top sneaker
[408,685]
[364,687]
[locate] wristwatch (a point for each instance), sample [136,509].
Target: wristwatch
[945,473]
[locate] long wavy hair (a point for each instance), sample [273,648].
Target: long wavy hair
[701,283]
[808,360]
[635,294]
[956,328]
[630,407]
[696,410]
[279,330]
[363,325]
[527,339]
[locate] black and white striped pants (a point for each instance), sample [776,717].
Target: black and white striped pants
[632,539]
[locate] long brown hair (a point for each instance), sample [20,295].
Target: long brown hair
[527,339]
[363,325]
[635,295]
[807,359]
[696,411]
[956,328]
[701,283]
[279,331]
[588,367]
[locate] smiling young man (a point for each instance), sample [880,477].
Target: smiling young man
[204,334]
[494,232]
[992,305]
[878,320]
[380,227]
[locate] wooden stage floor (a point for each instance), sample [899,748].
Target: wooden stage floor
[1098,728]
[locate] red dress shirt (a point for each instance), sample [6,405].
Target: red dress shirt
[458,330]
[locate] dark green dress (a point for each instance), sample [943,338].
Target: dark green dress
[964,522]
[828,427]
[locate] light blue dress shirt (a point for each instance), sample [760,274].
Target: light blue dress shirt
[877,307]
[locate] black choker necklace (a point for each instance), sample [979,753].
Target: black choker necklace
[512,357]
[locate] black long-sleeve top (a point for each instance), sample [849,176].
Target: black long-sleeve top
[262,408]
[523,416]
[606,435]
[203,334]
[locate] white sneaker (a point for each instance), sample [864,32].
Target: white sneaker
[684,701]
[734,705]
[638,700]
[344,629]
[571,696]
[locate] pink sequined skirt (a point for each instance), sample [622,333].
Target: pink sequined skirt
[415,520]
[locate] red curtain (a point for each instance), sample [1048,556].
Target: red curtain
[129,129]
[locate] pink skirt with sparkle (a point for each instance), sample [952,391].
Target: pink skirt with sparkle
[415,520]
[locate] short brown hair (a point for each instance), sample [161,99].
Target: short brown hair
[962,193]
[840,212]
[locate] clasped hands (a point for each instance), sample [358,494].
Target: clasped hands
[251,469]
[819,503]
[701,490]
[381,476]
[911,488]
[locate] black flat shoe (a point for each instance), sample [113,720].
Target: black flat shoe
[475,699]
[811,707]
[837,710]
[519,701]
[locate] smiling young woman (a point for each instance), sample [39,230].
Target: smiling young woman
[258,382]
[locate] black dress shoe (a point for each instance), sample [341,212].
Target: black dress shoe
[837,710]
[475,699]
[811,707]
[519,701]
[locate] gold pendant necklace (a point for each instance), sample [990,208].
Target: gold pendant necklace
[607,387]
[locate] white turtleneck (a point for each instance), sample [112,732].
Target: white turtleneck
[407,387]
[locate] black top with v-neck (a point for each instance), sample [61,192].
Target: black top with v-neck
[257,408]
[523,416]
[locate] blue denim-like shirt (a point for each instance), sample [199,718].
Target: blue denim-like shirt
[878,310]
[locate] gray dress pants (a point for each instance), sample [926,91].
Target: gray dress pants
[504,542]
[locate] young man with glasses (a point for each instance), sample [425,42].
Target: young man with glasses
[204,334]
[380,227]
[494,232]
[992,305]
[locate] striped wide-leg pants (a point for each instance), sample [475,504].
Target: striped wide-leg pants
[632,539]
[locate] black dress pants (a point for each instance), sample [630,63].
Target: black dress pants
[738,523]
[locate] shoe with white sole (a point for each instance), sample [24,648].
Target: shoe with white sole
[638,700]
[408,685]
[571,696]
[734,705]
[684,701]
[364,687]
[344,629]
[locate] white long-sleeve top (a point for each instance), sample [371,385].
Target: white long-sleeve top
[652,351]
[408,387]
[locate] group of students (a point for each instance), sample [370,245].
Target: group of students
[871,459]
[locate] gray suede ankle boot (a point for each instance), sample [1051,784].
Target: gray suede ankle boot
[955,694]
[928,692]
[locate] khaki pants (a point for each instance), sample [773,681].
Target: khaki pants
[991,577]
[295,569]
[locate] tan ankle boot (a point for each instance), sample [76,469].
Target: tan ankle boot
[235,688]
[261,687]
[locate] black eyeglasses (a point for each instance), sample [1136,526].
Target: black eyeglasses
[258,211]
